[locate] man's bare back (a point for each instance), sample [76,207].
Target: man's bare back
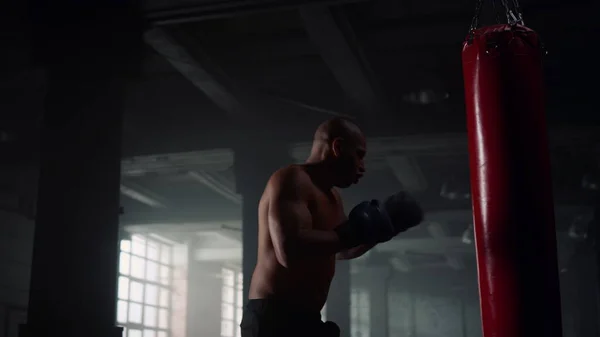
[306,282]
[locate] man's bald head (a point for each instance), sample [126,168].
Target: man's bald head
[340,145]
[338,128]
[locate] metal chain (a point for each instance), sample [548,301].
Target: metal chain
[512,12]
[519,12]
[475,20]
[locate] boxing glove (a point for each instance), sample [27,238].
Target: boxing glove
[404,212]
[330,329]
[368,223]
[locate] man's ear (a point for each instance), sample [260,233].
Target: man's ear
[336,147]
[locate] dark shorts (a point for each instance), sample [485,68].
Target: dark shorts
[274,318]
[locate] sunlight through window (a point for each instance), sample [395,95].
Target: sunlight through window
[144,287]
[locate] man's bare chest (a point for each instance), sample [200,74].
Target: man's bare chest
[326,211]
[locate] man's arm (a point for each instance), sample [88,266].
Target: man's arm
[290,221]
[351,253]
[355,252]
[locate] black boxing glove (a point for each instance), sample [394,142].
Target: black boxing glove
[368,223]
[403,211]
[330,329]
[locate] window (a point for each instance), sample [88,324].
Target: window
[144,289]
[359,313]
[231,303]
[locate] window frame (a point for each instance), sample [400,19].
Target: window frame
[130,329]
[238,301]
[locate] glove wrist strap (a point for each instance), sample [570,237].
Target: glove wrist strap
[348,235]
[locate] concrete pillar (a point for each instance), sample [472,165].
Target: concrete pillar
[338,302]
[378,281]
[86,51]
[255,162]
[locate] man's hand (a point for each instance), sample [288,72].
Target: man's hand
[372,222]
[355,252]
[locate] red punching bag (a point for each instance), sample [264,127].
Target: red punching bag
[511,183]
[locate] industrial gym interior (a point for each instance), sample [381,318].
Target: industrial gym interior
[216,95]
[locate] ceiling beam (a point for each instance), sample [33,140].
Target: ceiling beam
[380,149]
[218,184]
[242,104]
[426,245]
[196,68]
[186,227]
[208,160]
[188,11]
[140,195]
[331,32]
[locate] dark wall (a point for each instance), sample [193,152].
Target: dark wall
[17,195]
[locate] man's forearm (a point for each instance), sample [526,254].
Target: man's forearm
[355,252]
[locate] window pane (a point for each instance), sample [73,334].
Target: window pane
[135,333]
[228,277]
[164,275]
[363,299]
[354,331]
[227,311]
[227,295]
[150,316]
[138,246]
[164,297]
[363,331]
[163,319]
[122,312]
[124,263]
[161,334]
[165,254]
[239,300]
[137,267]
[149,333]
[363,314]
[123,288]
[152,271]
[125,245]
[135,313]
[136,291]
[152,251]
[151,296]
[238,331]
[226,328]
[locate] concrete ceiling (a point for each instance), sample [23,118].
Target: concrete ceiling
[211,67]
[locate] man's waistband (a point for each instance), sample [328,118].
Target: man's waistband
[276,306]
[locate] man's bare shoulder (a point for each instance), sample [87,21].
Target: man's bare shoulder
[290,179]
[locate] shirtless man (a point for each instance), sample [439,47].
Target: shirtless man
[303,230]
